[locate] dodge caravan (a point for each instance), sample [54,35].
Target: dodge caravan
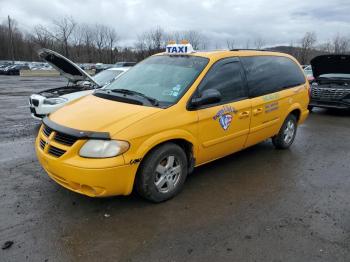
[172,112]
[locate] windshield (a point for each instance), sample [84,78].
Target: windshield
[106,76]
[335,76]
[163,78]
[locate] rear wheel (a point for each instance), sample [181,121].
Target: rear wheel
[162,173]
[310,108]
[285,138]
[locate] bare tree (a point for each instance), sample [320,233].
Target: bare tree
[307,44]
[259,42]
[100,38]
[326,47]
[155,39]
[231,44]
[112,39]
[42,37]
[63,29]
[88,34]
[247,44]
[341,44]
[151,42]
[196,39]
[78,40]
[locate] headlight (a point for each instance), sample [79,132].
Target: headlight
[103,148]
[55,101]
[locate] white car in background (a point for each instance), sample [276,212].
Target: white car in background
[308,72]
[80,84]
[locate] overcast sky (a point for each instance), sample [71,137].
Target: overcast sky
[277,22]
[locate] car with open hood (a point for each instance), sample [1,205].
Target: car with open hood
[172,112]
[80,84]
[331,86]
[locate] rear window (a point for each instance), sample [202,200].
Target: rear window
[269,74]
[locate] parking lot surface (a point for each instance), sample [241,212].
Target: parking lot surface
[260,204]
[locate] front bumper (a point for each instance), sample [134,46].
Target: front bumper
[38,109]
[88,180]
[34,114]
[339,104]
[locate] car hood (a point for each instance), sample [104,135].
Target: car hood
[65,66]
[330,64]
[91,113]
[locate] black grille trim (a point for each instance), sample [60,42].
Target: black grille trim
[57,152]
[42,144]
[35,102]
[65,139]
[47,130]
[329,93]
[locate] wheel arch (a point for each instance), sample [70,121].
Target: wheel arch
[183,139]
[294,110]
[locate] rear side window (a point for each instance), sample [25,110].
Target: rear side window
[226,77]
[269,74]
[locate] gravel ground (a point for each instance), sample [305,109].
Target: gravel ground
[257,205]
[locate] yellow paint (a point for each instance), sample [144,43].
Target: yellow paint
[146,127]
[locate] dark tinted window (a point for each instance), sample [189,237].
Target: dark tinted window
[269,74]
[226,77]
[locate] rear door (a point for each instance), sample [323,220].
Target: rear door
[270,79]
[224,126]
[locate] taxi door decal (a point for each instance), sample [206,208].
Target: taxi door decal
[225,116]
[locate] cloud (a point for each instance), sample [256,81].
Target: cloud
[277,22]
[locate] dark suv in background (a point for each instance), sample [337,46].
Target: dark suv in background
[14,69]
[331,86]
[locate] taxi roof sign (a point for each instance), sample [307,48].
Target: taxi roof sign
[179,49]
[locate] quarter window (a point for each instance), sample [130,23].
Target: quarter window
[269,74]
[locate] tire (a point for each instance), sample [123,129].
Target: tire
[162,173]
[310,108]
[285,138]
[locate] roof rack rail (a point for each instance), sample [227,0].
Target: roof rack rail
[249,49]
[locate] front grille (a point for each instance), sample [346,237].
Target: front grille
[47,130]
[65,139]
[62,141]
[55,151]
[35,102]
[329,93]
[42,144]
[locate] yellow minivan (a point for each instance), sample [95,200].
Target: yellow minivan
[170,113]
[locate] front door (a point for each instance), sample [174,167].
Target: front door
[223,126]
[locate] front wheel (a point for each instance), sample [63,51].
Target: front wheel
[162,173]
[285,138]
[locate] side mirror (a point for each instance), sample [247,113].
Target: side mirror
[209,96]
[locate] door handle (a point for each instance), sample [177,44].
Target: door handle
[257,111]
[244,114]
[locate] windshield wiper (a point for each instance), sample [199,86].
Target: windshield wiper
[152,100]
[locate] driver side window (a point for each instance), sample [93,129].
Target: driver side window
[226,77]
